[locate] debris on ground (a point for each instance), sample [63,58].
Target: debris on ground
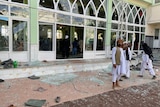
[35,103]
[33,77]
[40,89]
[57,99]
[134,96]
[44,61]
[7,64]
[1,80]
[11,105]
[58,79]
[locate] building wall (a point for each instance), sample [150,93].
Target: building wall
[148,1]
[33,32]
[153,22]
[150,29]
[141,3]
[152,19]
[86,54]
[152,14]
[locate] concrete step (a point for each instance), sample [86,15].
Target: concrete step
[47,68]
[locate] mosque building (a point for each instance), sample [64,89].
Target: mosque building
[34,30]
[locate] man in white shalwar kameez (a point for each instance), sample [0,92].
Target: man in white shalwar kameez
[146,62]
[117,58]
[127,54]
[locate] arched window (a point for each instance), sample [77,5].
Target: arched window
[138,15]
[130,19]
[63,5]
[21,1]
[77,7]
[101,12]
[114,10]
[91,9]
[97,3]
[46,3]
[143,20]
[125,12]
[85,2]
[115,15]
[3,9]
[142,16]
[123,16]
[129,13]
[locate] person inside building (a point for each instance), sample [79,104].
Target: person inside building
[74,46]
[147,61]
[117,60]
[80,45]
[65,47]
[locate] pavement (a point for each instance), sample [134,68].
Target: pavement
[67,86]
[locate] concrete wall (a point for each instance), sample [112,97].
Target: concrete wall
[150,30]
[152,19]
[141,3]
[153,14]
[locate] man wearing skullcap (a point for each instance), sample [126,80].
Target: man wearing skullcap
[127,55]
[117,58]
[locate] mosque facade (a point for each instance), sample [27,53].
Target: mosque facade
[34,30]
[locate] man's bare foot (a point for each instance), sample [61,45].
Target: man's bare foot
[117,85]
[113,87]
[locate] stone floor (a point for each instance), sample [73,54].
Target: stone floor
[81,85]
[91,86]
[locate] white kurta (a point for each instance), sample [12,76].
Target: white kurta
[128,62]
[123,64]
[116,72]
[146,64]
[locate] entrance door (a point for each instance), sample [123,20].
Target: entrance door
[46,42]
[45,37]
[77,42]
[69,42]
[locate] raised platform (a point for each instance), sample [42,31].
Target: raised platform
[47,68]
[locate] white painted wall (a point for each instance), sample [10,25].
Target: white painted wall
[153,22]
[156,44]
[152,19]
[153,15]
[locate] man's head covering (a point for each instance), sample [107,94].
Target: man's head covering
[119,42]
[66,37]
[125,45]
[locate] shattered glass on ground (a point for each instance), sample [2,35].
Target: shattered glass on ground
[58,79]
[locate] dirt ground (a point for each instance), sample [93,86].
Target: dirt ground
[146,95]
